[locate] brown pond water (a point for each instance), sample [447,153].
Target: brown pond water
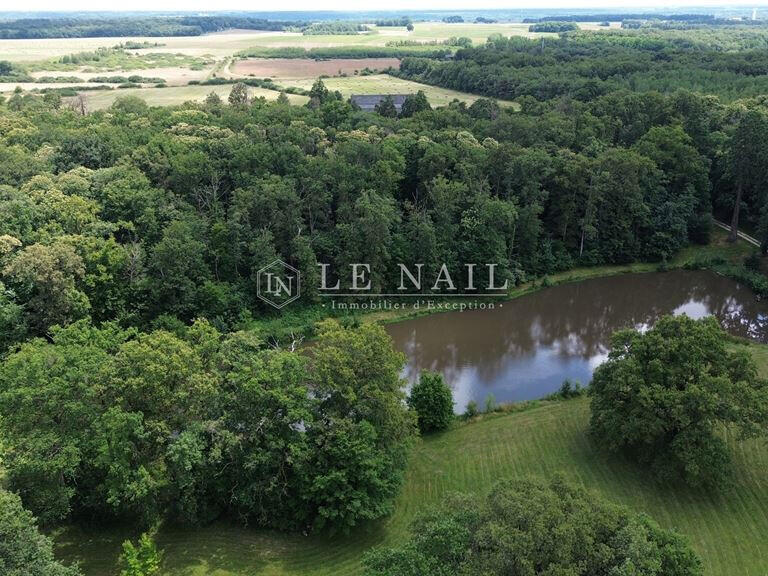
[528,346]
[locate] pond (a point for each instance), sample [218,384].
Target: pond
[524,348]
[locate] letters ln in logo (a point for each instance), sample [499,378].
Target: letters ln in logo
[278,284]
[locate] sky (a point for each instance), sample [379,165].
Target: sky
[203,5]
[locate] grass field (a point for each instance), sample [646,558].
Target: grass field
[99,99]
[222,44]
[219,48]
[374,84]
[727,529]
[384,84]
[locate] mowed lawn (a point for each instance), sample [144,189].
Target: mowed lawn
[728,529]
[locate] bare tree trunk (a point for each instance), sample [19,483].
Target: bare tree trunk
[734,234]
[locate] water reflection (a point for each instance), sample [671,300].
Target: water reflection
[526,348]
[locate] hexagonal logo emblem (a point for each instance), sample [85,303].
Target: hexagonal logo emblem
[278,284]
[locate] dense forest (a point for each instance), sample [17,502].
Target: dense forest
[108,205]
[136,215]
[132,26]
[586,65]
[136,383]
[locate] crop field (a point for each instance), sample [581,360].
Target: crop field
[223,44]
[212,55]
[220,45]
[98,99]
[308,68]
[728,530]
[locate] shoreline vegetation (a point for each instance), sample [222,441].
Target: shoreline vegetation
[719,256]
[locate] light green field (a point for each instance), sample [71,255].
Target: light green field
[220,45]
[727,529]
[384,84]
[423,32]
[223,44]
[98,99]
[376,84]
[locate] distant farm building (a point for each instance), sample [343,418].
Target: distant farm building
[368,102]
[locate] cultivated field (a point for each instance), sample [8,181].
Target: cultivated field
[308,68]
[728,530]
[218,50]
[223,44]
[220,45]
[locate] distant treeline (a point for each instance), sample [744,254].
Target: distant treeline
[400,21]
[459,41]
[553,27]
[113,27]
[266,83]
[690,24]
[620,17]
[334,28]
[585,66]
[332,52]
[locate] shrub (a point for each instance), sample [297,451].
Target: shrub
[432,400]
[752,262]
[490,404]
[569,389]
[142,559]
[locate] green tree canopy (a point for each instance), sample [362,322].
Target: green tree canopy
[432,400]
[414,103]
[24,551]
[193,424]
[386,107]
[527,527]
[663,396]
[140,559]
[238,96]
